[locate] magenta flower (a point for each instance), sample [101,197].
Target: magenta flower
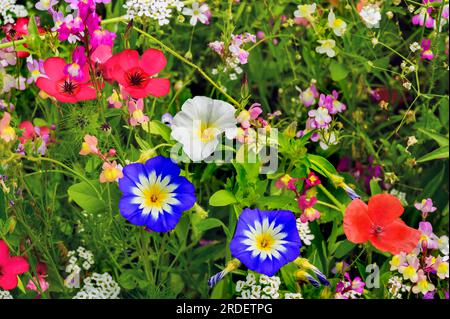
[75,69]
[426,53]
[308,97]
[424,17]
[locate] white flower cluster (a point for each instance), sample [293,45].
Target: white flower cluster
[9,10]
[371,16]
[293,295]
[396,287]
[266,288]
[304,232]
[160,10]
[99,286]
[81,259]
[4,294]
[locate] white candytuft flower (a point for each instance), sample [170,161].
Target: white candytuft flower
[304,232]
[293,296]
[396,287]
[4,294]
[200,124]
[159,10]
[263,288]
[9,10]
[99,286]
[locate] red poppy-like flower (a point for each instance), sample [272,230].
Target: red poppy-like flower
[10,267]
[135,75]
[379,222]
[61,86]
[19,29]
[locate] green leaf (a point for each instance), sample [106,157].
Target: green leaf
[321,165]
[211,223]
[338,71]
[440,139]
[343,248]
[440,153]
[158,128]
[83,194]
[222,198]
[374,187]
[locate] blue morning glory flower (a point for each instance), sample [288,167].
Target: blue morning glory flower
[265,241]
[154,194]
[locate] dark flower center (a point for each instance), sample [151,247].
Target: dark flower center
[136,77]
[376,230]
[68,86]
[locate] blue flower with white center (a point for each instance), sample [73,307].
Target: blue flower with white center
[154,194]
[265,241]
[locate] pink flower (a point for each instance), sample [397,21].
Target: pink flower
[10,267]
[43,284]
[255,111]
[312,180]
[89,145]
[308,97]
[426,53]
[309,213]
[7,133]
[114,100]
[428,237]
[135,108]
[286,181]
[111,172]
[75,69]
[424,17]
[425,206]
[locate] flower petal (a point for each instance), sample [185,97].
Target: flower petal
[54,68]
[8,282]
[357,224]
[397,237]
[16,266]
[153,61]
[384,209]
[157,87]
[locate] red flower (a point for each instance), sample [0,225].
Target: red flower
[380,223]
[62,86]
[135,75]
[18,30]
[10,267]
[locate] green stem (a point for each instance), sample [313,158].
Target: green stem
[332,198]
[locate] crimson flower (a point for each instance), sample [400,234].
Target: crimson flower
[136,75]
[62,86]
[10,267]
[19,29]
[379,222]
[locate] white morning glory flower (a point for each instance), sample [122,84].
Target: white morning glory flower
[200,124]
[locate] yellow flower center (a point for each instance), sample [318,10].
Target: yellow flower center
[264,242]
[154,196]
[111,174]
[206,132]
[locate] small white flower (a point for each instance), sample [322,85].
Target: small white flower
[327,139]
[414,46]
[197,13]
[371,16]
[407,85]
[200,124]
[99,286]
[251,279]
[326,47]
[4,294]
[338,25]
[305,11]
[240,285]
